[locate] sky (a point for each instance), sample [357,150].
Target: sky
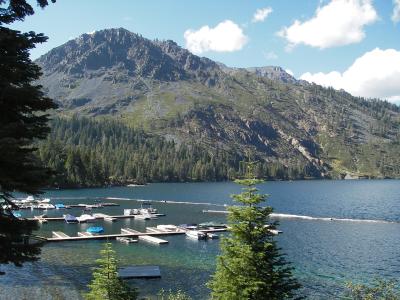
[347,44]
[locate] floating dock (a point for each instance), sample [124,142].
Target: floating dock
[210,211]
[84,233]
[59,235]
[97,216]
[139,272]
[152,239]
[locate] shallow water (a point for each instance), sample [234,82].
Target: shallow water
[325,253]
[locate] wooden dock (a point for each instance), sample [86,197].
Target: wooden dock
[125,232]
[84,233]
[130,231]
[152,239]
[97,216]
[139,272]
[59,235]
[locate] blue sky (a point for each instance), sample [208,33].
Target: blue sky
[320,41]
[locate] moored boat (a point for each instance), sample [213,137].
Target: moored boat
[126,240]
[195,234]
[95,230]
[85,218]
[59,206]
[45,206]
[212,236]
[69,219]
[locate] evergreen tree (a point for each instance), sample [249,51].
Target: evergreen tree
[251,265]
[106,285]
[379,290]
[22,120]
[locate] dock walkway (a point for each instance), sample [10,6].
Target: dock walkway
[139,272]
[125,232]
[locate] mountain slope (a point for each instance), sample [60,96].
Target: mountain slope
[168,91]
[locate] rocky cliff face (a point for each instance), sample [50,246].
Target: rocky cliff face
[167,90]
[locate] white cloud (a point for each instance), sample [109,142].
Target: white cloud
[338,23]
[270,55]
[91,32]
[290,72]
[376,74]
[261,14]
[225,37]
[396,11]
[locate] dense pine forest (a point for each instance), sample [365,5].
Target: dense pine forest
[96,152]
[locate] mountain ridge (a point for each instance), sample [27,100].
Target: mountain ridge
[169,91]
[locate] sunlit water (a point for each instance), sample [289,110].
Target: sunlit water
[325,253]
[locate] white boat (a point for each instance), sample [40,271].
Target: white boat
[212,236]
[85,218]
[143,217]
[45,206]
[41,219]
[130,212]
[28,199]
[195,234]
[126,240]
[167,228]
[45,200]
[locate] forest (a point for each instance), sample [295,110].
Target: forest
[86,152]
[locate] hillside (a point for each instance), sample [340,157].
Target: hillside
[166,91]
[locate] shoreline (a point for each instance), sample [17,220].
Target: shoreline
[78,187]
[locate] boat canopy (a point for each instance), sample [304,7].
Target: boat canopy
[97,229]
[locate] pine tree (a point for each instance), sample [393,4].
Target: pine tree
[22,120]
[251,265]
[106,285]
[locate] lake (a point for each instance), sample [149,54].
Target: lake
[358,240]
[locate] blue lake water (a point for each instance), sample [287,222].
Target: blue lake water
[325,253]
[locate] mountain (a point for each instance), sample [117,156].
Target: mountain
[167,91]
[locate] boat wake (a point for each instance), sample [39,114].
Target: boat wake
[330,219]
[167,201]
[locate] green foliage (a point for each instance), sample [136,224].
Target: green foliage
[105,284]
[379,290]
[22,121]
[251,266]
[170,295]
[95,152]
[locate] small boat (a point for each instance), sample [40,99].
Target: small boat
[70,219]
[195,234]
[130,212]
[45,200]
[17,214]
[126,240]
[85,218]
[212,225]
[28,199]
[59,206]
[95,230]
[149,209]
[45,206]
[188,226]
[110,219]
[212,236]
[143,217]
[167,228]
[41,219]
